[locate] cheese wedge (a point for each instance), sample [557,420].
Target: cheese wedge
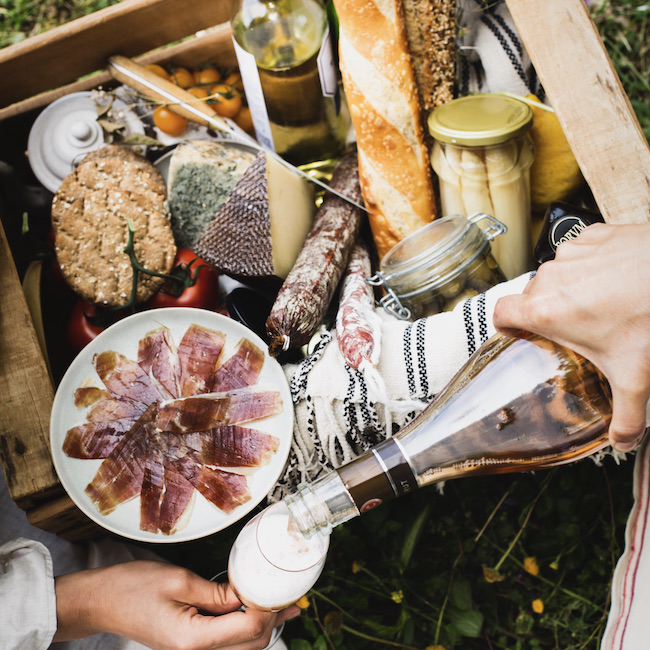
[260,230]
[202,174]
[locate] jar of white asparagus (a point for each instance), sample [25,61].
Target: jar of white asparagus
[482,155]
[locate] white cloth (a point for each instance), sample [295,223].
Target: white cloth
[627,624]
[492,57]
[30,558]
[339,413]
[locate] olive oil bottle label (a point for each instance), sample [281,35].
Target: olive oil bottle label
[326,68]
[254,95]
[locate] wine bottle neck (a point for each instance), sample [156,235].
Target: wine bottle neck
[380,475]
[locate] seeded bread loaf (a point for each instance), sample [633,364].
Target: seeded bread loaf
[90,215]
[431,33]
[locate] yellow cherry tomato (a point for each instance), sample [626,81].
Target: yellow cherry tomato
[168,121]
[234,81]
[225,101]
[158,70]
[244,120]
[198,91]
[207,75]
[182,77]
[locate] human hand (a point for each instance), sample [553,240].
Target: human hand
[593,298]
[157,604]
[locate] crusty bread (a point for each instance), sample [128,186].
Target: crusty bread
[380,88]
[431,31]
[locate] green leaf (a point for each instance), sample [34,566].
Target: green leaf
[321,643]
[300,644]
[461,595]
[468,623]
[412,537]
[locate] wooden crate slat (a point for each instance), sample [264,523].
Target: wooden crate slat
[212,46]
[66,53]
[27,395]
[594,111]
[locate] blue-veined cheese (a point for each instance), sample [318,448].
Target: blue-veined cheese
[261,228]
[202,174]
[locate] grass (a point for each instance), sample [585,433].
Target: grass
[512,562]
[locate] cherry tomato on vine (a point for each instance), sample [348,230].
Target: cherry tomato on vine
[197,285]
[226,101]
[169,122]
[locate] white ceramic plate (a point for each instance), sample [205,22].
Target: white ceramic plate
[123,336]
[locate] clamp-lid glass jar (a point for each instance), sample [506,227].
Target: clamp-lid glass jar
[482,155]
[438,265]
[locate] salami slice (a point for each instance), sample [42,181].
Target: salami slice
[307,291]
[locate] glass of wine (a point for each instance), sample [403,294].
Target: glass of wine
[272,564]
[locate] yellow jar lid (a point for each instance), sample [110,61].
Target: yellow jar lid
[480,120]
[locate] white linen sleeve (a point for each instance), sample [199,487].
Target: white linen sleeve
[27,598]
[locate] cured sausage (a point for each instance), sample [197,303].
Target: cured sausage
[358,327]
[307,291]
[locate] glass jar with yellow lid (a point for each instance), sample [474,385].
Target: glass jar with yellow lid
[482,155]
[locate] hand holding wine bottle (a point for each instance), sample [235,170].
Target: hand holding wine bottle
[592,298]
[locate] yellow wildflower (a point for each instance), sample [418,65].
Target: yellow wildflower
[303,602]
[492,575]
[538,605]
[356,566]
[397,596]
[435,647]
[531,566]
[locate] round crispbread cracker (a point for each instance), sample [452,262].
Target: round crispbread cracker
[113,151]
[90,214]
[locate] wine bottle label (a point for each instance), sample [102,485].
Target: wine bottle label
[380,476]
[254,96]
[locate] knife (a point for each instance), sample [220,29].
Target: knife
[194,109]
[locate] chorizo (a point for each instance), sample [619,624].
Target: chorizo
[358,329]
[309,287]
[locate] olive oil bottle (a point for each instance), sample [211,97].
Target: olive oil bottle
[290,78]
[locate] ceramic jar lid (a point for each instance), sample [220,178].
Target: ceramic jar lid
[66,131]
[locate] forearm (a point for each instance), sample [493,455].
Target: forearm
[157,604]
[79,605]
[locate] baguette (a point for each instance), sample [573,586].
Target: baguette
[381,91]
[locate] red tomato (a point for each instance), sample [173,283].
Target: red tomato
[80,330]
[197,286]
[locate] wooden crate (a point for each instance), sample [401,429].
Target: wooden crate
[69,59]
[559,35]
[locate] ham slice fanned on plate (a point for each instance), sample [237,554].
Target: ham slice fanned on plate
[198,354]
[157,356]
[162,435]
[202,412]
[243,368]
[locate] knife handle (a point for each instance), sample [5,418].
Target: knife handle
[165,92]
